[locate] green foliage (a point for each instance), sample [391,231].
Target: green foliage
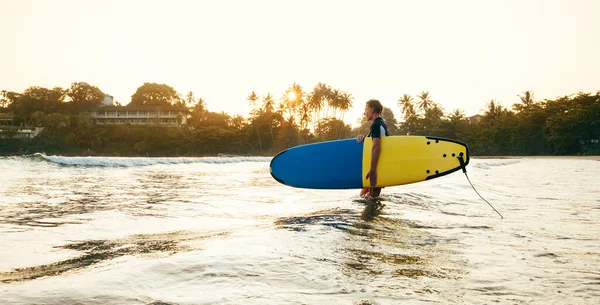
[84,97]
[332,129]
[565,126]
[54,95]
[30,106]
[57,121]
[84,92]
[156,95]
[387,115]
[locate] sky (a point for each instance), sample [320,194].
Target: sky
[464,53]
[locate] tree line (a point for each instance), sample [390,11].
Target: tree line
[567,125]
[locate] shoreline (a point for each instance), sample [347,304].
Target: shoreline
[225,155]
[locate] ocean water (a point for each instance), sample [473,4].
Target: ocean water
[95,230]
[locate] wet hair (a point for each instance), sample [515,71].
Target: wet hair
[376,105]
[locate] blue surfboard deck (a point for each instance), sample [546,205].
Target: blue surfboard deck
[325,165]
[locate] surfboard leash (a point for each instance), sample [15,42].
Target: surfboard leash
[464,169]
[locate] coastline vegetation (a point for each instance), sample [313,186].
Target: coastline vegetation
[568,125]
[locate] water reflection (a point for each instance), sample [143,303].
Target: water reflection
[53,200]
[160,187]
[97,251]
[380,243]
[372,209]
[335,218]
[386,248]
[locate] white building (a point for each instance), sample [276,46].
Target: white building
[20,133]
[165,116]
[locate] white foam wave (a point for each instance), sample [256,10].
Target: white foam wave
[145,161]
[487,164]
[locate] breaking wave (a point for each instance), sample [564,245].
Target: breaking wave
[144,161]
[487,164]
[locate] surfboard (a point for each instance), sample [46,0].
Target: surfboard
[343,164]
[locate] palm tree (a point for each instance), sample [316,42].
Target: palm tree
[281,107]
[453,127]
[252,98]
[268,103]
[426,101]
[316,100]
[456,115]
[304,116]
[345,102]
[321,94]
[527,98]
[293,99]
[200,105]
[406,103]
[526,101]
[190,99]
[298,91]
[334,101]
[434,112]
[314,104]
[198,111]
[269,107]
[494,109]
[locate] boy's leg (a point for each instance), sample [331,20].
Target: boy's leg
[375,192]
[364,191]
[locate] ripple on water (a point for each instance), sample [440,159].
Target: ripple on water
[98,251]
[383,248]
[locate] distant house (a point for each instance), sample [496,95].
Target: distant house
[475,119]
[8,130]
[6,118]
[20,133]
[164,116]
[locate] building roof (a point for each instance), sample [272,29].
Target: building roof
[142,108]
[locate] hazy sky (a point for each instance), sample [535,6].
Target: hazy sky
[464,52]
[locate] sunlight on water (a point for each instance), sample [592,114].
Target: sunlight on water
[221,230]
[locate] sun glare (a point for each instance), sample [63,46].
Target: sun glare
[291,96]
